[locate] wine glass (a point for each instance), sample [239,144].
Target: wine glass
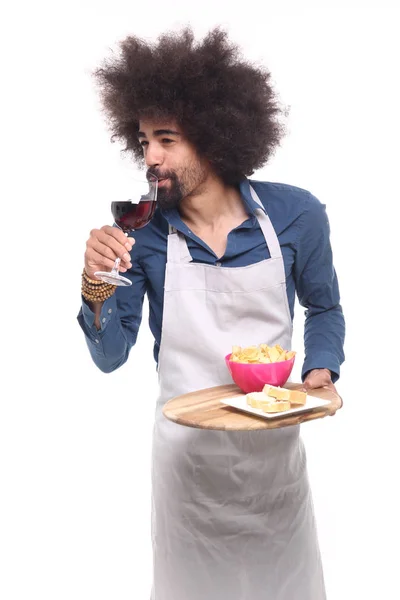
[130,215]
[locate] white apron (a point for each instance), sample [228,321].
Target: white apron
[232,511]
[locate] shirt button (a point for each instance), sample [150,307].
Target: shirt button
[97,341]
[103,320]
[109,311]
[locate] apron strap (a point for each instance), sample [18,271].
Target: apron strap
[267,228]
[178,251]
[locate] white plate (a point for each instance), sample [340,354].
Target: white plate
[240,402]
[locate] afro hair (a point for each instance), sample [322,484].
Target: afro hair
[225,106]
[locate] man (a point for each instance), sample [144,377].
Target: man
[221,263]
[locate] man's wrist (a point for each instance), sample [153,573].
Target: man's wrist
[319,369]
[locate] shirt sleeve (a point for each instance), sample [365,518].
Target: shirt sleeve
[120,319]
[318,291]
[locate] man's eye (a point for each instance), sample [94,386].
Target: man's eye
[167,141]
[143,144]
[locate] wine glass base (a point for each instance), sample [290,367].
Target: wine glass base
[109,277]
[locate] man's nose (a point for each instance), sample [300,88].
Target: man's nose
[154,155]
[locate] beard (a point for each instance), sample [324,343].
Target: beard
[171,196]
[180,185]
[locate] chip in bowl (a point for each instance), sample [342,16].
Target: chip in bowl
[261,354]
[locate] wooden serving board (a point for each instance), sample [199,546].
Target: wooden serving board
[203,410]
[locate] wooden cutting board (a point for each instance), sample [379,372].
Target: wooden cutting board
[203,410]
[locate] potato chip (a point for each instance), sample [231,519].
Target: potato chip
[261,354]
[282,356]
[264,359]
[274,354]
[252,352]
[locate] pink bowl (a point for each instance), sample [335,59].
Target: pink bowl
[253,377]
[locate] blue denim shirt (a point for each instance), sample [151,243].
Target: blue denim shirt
[301,224]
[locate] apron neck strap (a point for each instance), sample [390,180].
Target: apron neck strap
[266,227]
[178,251]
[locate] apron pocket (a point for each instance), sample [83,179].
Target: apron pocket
[238,465]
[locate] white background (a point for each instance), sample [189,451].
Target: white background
[75,443]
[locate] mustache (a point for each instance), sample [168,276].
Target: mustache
[160,174]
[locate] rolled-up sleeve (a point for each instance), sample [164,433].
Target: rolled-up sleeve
[120,319]
[318,291]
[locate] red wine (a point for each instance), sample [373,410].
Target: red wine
[128,215]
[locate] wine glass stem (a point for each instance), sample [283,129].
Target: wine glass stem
[115,267]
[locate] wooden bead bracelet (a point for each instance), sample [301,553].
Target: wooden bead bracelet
[94,290]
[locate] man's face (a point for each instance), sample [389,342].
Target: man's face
[173,160]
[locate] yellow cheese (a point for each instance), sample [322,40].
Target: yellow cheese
[255,399]
[279,406]
[276,392]
[298,397]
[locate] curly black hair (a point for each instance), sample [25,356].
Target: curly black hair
[225,106]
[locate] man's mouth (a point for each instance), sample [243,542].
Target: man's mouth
[162,182]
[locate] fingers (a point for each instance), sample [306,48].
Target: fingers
[318,378]
[109,252]
[330,386]
[95,262]
[104,246]
[117,234]
[113,238]
[111,243]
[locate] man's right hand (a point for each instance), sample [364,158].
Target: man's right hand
[103,247]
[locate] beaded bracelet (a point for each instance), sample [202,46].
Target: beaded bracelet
[92,281]
[101,297]
[94,290]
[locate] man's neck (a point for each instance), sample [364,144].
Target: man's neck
[213,203]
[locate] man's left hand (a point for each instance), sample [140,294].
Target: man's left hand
[319,378]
